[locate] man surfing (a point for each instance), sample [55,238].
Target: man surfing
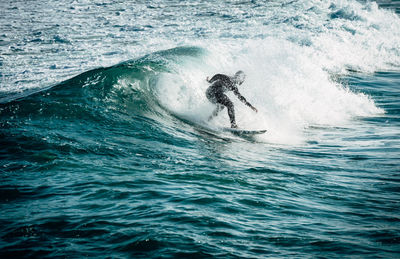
[216,94]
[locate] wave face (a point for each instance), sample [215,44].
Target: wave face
[106,147]
[290,91]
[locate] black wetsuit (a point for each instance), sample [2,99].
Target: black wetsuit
[216,94]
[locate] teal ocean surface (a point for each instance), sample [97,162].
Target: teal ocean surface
[106,151]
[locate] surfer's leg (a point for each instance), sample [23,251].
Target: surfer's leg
[224,100]
[216,111]
[231,113]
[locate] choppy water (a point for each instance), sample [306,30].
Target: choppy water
[105,151]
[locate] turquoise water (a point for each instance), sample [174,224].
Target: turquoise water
[106,150]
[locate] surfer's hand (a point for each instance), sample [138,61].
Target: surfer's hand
[208,80]
[254,109]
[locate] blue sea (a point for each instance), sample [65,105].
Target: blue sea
[106,150]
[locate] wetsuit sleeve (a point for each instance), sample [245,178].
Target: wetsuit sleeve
[240,97]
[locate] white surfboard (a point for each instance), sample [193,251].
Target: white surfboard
[244,132]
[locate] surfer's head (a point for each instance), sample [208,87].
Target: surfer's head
[239,77]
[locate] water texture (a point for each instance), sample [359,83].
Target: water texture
[106,151]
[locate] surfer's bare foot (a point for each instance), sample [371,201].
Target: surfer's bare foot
[234,126]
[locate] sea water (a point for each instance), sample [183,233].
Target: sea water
[106,150]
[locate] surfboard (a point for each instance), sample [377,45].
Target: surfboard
[214,131]
[244,132]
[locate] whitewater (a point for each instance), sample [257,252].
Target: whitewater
[106,148]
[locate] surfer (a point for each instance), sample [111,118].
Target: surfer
[216,94]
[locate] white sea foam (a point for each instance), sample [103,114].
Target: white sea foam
[290,88]
[339,33]
[290,66]
[289,50]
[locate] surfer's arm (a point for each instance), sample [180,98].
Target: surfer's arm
[242,99]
